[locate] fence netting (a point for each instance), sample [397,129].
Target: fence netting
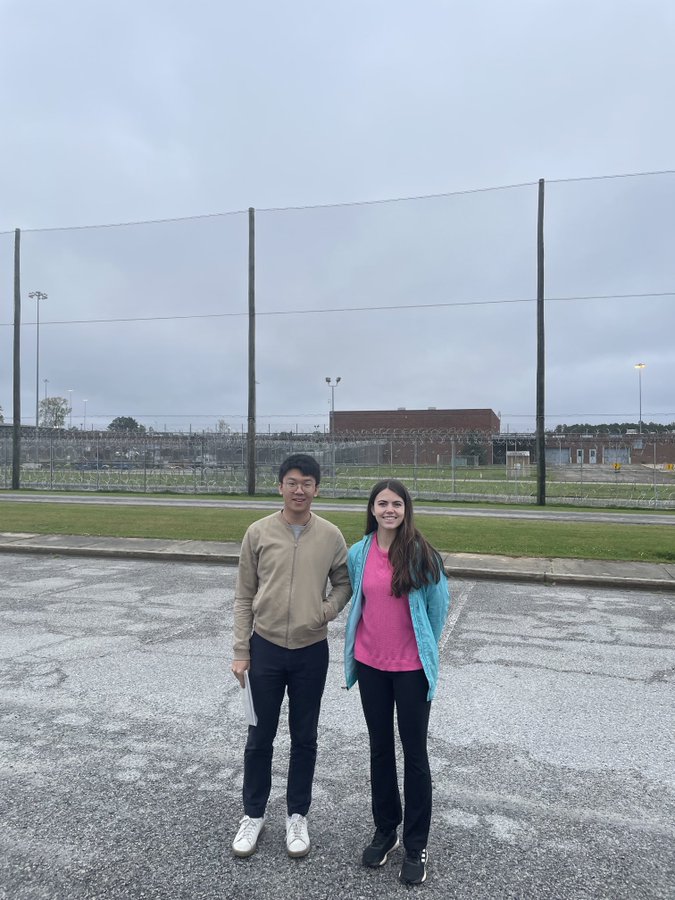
[422,303]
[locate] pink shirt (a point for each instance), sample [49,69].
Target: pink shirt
[384,636]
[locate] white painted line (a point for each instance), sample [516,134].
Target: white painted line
[457,605]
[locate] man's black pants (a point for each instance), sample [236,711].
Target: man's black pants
[303,674]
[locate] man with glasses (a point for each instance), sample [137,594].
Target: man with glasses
[281,614]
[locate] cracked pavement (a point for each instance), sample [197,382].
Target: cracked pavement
[552,744]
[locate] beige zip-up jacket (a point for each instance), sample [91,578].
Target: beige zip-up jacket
[282,583]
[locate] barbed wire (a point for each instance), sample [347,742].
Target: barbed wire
[423,437]
[580,417]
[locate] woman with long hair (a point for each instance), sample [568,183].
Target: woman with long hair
[399,605]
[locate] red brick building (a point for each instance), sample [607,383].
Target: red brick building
[483,421]
[420,436]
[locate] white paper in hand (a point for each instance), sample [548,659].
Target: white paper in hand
[247,700]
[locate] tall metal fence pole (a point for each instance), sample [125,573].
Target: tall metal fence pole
[541,419]
[250,446]
[16,431]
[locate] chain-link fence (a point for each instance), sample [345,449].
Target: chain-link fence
[593,470]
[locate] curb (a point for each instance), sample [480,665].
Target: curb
[652,584]
[227,559]
[232,559]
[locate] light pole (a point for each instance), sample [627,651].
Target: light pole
[332,385]
[45,381]
[70,407]
[640,366]
[84,425]
[37,296]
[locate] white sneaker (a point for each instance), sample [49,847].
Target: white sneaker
[297,836]
[246,841]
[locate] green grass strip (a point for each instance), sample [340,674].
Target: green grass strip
[511,537]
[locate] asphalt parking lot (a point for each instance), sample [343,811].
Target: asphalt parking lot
[121,737]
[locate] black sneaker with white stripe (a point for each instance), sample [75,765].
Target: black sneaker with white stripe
[414,868]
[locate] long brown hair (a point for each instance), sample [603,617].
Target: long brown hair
[413,559]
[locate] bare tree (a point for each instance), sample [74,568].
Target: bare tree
[53,412]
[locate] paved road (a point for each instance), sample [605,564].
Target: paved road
[628,518]
[552,745]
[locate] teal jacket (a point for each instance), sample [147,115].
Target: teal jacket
[428,608]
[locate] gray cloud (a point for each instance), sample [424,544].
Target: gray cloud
[161,109]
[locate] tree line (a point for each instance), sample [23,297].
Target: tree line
[614,428]
[54,412]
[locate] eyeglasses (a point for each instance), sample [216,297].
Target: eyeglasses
[306,486]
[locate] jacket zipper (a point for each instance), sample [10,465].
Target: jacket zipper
[290,590]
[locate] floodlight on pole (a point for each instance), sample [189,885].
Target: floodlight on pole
[37,296]
[640,366]
[332,385]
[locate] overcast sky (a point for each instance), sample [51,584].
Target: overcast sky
[154,109]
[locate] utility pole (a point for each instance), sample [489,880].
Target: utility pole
[250,443]
[16,431]
[541,367]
